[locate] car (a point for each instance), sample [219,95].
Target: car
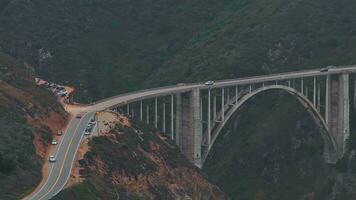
[63,92]
[54,142]
[59,133]
[92,122]
[86,132]
[52,158]
[78,116]
[209,83]
[325,69]
[181,84]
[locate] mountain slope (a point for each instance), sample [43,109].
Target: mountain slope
[259,37]
[25,111]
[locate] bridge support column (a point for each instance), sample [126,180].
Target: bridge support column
[209,119]
[164,118]
[156,113]
[148,114]
[314,91]
[237,93]
[141,115]
[337,110]
[172,117]
[189,125]
[214,109]
[222,104]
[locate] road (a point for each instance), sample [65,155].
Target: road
[60,170]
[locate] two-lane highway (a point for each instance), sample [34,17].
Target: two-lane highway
[60,170]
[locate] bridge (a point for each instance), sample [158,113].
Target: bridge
[193,115]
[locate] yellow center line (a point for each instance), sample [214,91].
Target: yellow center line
[65,156]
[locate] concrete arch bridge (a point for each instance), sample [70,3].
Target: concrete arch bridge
[194,114]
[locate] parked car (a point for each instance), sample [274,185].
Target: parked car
[52,158]
[78,116]
[209,83]
[60,133]
[54,142]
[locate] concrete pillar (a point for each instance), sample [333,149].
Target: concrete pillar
[156,113]
[302,86]
[209,119]
[148,114]
[318,97]
[197,128]
[250,88]
[164,118]
[327,98]
[189,125]
[288,83]
[346,112]
[237,94]
[128,109]
[141,115]
[354,103]
[172,117]
[222,104]
[214,109]
[314,91]
[179,120]
[338,110]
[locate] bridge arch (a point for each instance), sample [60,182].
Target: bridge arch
[330,146]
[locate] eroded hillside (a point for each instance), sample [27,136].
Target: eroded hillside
[132,161]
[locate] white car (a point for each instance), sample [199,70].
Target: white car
[52,158]
[54,142]
[209,83]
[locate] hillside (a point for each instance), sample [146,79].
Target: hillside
[250,37]
[133,161]
[27,117]
[102,47]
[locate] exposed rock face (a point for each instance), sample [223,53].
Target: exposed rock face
[139,163]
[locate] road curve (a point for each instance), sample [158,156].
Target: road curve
[60,170]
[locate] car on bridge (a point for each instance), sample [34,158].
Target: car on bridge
[326,69]
[208,83]
[181,84]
